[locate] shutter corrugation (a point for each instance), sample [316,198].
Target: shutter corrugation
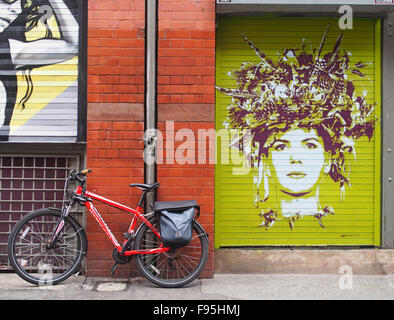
[356,219]
[51,85]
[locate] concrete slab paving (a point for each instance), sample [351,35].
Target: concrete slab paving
[300,287]
[221,287]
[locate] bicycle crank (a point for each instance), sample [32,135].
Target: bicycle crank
[119,259]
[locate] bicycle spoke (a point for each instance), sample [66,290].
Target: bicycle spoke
[35,256]
[175,267]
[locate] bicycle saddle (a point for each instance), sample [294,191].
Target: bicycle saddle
[145,187]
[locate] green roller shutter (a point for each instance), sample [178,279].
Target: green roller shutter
[252,206]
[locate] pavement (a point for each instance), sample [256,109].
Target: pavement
[223,287]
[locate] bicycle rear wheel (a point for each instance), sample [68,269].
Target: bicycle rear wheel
[30,253]
[174,268]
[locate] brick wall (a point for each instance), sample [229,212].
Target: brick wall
[186,84]
[116,110]
[116,57]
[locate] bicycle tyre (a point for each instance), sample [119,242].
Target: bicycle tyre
[30,256]
[196,250]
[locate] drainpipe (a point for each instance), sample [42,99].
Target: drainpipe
[150,112]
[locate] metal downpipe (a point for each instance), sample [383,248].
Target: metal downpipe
[150,112]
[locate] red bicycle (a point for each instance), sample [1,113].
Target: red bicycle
[48,245]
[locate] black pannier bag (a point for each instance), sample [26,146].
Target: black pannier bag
[176,221]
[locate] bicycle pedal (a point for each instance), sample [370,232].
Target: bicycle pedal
[114,268]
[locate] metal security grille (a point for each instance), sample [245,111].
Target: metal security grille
[29,183]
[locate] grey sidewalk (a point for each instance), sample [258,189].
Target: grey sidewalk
[221,287]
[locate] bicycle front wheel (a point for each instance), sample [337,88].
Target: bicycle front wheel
[32,256]
[174,268]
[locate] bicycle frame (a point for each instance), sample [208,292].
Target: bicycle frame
[137,213]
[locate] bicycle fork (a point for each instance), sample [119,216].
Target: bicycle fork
[59,226]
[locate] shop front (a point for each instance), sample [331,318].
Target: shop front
[299,100]
[42,105]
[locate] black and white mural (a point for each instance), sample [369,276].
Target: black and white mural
[39,48]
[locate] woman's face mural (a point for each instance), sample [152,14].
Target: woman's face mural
[304,116]
[297,158]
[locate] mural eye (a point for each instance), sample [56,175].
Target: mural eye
[280,147]
[311,145]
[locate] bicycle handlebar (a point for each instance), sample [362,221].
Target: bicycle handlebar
[78,175]
[86,171]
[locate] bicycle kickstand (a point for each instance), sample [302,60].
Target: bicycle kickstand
[114,268]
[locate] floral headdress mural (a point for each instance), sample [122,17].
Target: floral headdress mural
[304,90]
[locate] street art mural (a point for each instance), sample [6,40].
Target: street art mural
[303,114]
[39,43]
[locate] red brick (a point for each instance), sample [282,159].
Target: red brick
[177,34]
[186,74]
[202,34]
